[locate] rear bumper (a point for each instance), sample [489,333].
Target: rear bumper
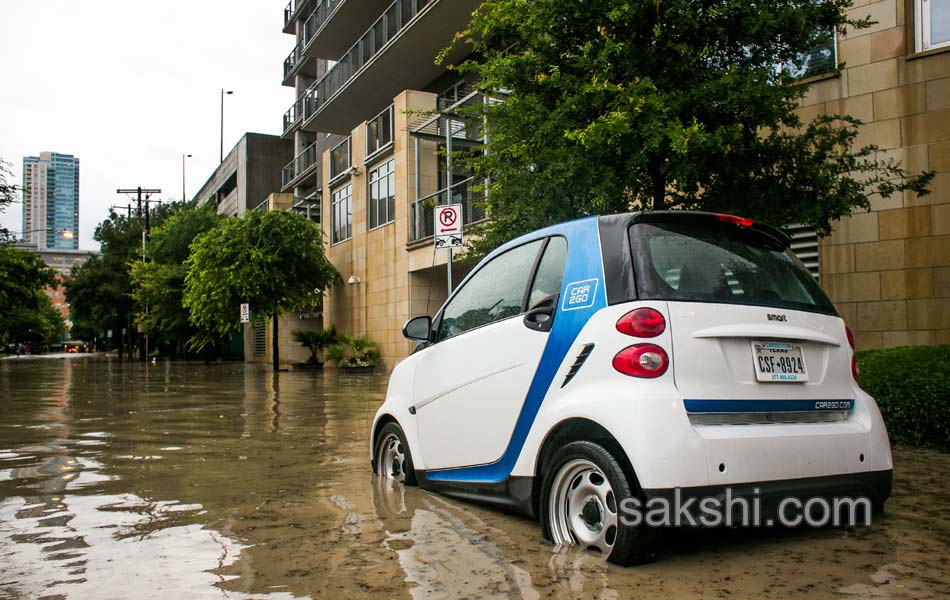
[873,485]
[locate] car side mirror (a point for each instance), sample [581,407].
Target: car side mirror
[418,329]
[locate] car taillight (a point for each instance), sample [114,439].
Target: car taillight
[643,360]
[855,371]
[642,323]
[734,220]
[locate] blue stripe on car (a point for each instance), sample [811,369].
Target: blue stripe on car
[763,406]
[583,264]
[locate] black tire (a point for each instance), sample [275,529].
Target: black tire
[633,545]
[388,430]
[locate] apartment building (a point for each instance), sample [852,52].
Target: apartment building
[372,126]
[51,201]
[888,270]
[246,176]
[375,124]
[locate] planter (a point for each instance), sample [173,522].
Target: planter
[308,366]
[356,370]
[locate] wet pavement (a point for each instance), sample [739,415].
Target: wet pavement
[224,481]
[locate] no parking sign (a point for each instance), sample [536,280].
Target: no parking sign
[448,226]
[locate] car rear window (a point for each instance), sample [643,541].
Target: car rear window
[721,264]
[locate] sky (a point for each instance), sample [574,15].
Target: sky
[130,86]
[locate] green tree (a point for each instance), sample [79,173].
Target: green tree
[613,105]
[272,260]
[99,291]
[23,275]
[158,285]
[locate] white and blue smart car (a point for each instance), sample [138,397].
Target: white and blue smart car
[633,356]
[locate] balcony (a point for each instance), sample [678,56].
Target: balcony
[308,206]
[302,165]
[292,117]
[298,63]
[421,213]
[349,18]
[396,53]
[291,12]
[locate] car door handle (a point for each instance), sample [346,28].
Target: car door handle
[541,317]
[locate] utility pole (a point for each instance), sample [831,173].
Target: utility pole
[139,191]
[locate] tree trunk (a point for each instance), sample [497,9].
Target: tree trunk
[275,347]
[659,186]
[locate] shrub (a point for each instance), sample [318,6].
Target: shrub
[315,341]
[353,352]
[912,387]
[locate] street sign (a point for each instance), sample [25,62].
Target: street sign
[448,226]
[245,313]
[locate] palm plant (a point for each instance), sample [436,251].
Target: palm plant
[315,341]
[353,351]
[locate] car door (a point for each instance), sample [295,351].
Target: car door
[471,384]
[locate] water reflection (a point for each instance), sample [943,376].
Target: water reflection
[127,481]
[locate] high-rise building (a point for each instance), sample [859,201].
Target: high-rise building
[51,201]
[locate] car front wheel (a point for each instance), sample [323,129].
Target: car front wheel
[583,489]
[393,460]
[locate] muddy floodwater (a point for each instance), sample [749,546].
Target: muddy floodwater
[225,481]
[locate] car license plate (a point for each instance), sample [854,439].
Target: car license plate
[779,361]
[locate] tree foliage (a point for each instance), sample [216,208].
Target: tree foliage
[272,260]
[613,105]
[26,313]
[158,285]
[99,291]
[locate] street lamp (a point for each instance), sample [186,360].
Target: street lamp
[221,151]
[183,196]
[65,233]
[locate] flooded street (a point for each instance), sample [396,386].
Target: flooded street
[224,481]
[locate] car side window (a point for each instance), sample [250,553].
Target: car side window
[493,293]
[550,274]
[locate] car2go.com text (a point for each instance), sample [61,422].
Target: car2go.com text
[731,510]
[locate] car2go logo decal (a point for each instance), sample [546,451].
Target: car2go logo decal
[580,294]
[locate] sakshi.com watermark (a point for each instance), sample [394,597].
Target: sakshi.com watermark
[745,510]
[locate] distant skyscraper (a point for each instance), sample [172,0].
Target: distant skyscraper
[51,201]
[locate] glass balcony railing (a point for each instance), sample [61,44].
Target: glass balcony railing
[422,214]
[393,20]
[292,116]
[318,18]
[296,55]
[289,12]
[300,165]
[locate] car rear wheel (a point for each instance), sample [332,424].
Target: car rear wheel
[583,490]
[393,460]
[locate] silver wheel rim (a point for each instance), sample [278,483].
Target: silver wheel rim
[583,507]
[391,458]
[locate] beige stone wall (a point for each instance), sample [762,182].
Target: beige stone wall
[379,304]
[888,270]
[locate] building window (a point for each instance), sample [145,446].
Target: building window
[933,24]
[341,213]
[819,59]
[379,132]
[340,159]
[382,194]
